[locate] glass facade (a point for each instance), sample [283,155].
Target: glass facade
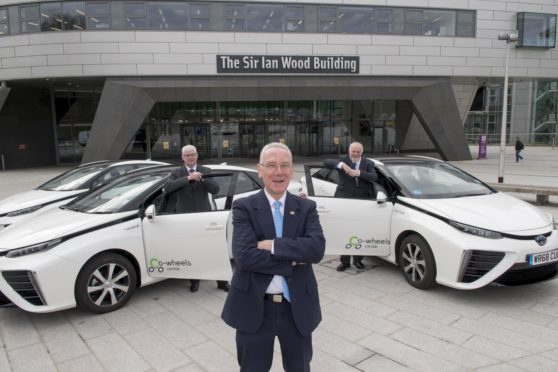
[241,129]
[238,17]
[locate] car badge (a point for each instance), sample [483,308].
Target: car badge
[541,240]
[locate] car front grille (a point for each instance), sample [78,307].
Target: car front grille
[4,301]
[479,263]
[24,283]
[522,273]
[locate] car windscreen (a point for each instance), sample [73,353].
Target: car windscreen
[74,179]
[435,180]
[121,195]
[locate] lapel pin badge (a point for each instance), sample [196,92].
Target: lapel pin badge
[292,213]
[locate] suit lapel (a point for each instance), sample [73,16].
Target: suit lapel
[262,210]
[291,216]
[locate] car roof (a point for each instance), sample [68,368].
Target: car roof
[408,159]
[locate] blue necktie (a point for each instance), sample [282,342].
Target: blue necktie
[278,221]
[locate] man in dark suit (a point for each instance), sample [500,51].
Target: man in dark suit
[356,177]
[190,192]
[277,237]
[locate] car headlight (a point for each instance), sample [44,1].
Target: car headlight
[24,211]
[489,234]
[36,248]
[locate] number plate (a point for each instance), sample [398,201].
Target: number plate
[543,258]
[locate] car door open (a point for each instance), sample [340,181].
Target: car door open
[351,226]
[186,245]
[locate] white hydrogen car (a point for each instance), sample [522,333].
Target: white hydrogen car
[438,224]
[65,187]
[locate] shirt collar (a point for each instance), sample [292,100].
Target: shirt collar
[272,201]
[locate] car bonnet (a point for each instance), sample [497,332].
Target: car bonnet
[53,224]
[496,212]
[32,198]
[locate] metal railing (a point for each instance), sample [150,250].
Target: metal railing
[530,138]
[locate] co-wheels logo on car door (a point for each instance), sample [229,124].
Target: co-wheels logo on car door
[156,264]
[355,242]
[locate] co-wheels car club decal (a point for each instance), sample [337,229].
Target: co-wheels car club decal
[158,265]
[355,242]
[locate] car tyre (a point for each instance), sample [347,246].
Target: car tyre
[417,262]
[105,283]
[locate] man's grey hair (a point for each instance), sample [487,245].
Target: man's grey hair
[189,148]
[274,145]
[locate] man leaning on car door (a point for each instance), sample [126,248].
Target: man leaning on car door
[190,195]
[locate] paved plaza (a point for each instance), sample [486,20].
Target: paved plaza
[372,319]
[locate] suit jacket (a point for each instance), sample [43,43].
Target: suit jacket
[302,242]
[361,187]
[189,196]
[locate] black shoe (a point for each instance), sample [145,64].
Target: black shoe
[223,285]
[194,286]
[359,265]
[343,267]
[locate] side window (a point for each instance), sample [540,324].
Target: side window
[245,184]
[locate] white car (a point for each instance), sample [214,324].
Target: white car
[95,250]
[65,187]
[438,224]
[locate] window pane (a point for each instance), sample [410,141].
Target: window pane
[168,16]
[97,15]
[413,22]
[355,20]
[74,15]
[465,24]
[439,23]
[29,17]
[383,21]
[51,17]
[538,30]
[328,19]
[234,17]
[199,17]
[135,9]
[264,18]
[295,18]
[4,21]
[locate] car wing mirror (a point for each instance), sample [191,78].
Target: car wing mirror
[150,212]
[381,197]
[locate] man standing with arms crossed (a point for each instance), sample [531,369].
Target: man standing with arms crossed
[277,237]
[356,177]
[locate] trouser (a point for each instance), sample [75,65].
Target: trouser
[255,350]
[517,156]
[346,260]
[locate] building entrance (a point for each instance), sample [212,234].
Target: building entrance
[197,134]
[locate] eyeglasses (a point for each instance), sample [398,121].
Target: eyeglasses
[190,155]
[274,166]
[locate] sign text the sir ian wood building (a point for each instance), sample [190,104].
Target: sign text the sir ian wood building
[252,64]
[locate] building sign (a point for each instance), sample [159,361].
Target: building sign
[234,64]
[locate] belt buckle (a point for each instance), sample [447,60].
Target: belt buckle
[277,298]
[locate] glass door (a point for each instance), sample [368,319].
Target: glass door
[197,134]
[252,138]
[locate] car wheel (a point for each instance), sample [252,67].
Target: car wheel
[417,262]
[105,283]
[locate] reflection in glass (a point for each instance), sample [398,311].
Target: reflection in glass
[97,15]
[234,17]
[264,18]
[295,18]
[168,16]
[51,17]
[199,17]
[29,19]
[355,19]
[439,23]
[74,15]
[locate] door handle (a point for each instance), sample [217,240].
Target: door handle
[214,227]
[322,209]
